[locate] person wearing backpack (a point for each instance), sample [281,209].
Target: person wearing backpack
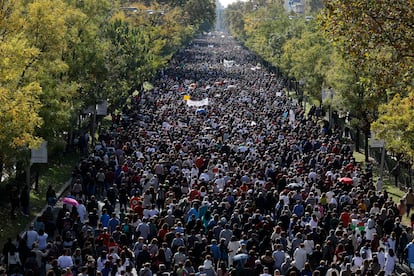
[30,236]
[366,252]
[409,249]
[13,261]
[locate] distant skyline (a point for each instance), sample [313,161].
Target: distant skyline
[225,3]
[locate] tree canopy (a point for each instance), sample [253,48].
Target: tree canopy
[60,56]
[376,36]
[395,125]
[377,39]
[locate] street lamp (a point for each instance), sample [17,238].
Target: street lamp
[301,84]
[327,99]
[330,96]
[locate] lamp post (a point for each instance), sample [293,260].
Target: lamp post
[301,84]
[95,108]
[330,96]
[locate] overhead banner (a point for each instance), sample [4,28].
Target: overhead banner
[203,102]
[228,63]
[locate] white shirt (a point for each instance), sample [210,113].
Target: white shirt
[13,259]
[233,246]
[300,258]
[369,233]
[357,261]
[331,272]
[285,199]
[100,262]
[208,264]
[82,213]
[32,237]
[381,259]
[333,201]
[204,176]
[65,261]
[329,195]
[219,183]
[389,264]
[42,240]
[313,223]
[309,245]
[312,175]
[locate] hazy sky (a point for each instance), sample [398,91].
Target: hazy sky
[225,3]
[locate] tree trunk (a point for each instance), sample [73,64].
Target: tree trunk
[366,151]
[20,177]
[358,133]
[1,170]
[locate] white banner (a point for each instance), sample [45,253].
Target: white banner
[39,155]
[203,102]
[292,117]
[228,63]
[102,108]
[374,142]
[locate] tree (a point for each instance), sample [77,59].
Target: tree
[60,56]
[201,11]
[396,126]
[308,58]
[51,27]
[351,97]
[234,20]
[376,39]
[129,63]
[313,6]
[19,100]
[377,36]
[266,34]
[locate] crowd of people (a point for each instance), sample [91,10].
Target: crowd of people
[218,171]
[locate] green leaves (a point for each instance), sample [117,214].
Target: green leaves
[376,39]
[308,58]
[200,11]
[376,36]
[395,125]
[292,43]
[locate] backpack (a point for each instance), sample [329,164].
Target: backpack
[364,253]
[349,248]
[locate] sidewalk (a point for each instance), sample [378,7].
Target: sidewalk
[58,205]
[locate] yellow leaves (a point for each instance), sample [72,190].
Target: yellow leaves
[46,24]
[15,54]
[27,140]
[19,116]
[19,98]
[251,23]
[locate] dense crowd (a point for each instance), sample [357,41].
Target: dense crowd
[248,184]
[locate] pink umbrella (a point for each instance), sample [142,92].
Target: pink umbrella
[70,201]
[346,180]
